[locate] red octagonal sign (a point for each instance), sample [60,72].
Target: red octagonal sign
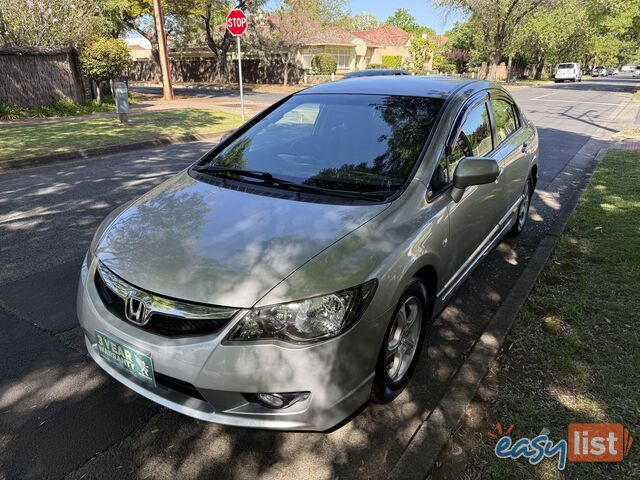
[236,22]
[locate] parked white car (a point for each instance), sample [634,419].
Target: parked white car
[628,68]
[636,72]
[600,72]
[568,71]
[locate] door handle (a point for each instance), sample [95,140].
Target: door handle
[525,148]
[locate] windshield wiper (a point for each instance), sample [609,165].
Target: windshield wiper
[275,182]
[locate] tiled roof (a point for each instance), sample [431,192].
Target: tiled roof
[385,35]
[319,35]
[330,36]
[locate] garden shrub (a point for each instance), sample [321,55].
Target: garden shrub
[392,61]
[324,64]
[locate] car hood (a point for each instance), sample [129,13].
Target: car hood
[194,241]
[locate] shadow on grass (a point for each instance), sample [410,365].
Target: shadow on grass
[573,354]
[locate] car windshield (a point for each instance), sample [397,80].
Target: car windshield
[565,65]
[356,143]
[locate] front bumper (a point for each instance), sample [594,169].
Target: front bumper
[338,373]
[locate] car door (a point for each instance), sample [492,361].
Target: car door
[511,148]
[514,147]
[474,221]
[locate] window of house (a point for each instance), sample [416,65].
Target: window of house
[343,56]
[505,118]
[306,60]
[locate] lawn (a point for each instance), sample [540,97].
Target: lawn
[574,352]
[36,140]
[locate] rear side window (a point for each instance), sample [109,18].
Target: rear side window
[505,118]
[476,131]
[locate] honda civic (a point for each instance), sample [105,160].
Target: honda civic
[287,277]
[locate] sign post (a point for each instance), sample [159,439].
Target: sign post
[121,93]
[237,24]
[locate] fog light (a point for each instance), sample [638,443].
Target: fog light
[271,400]
[277,400]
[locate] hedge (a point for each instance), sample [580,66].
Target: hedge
[375,65]
[324,64]
[392,61]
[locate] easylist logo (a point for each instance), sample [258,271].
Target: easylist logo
[586,442]
[598,442]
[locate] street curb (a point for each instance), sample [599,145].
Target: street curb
[89,153]
[434,432]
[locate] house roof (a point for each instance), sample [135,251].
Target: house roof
[330,36]
[385,35]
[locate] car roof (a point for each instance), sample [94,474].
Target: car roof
[408,85]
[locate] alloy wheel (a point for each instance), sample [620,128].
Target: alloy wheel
[403,339]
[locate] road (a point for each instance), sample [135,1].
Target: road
[61,416]
[222,94]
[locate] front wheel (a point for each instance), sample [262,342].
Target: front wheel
[523,209]
[402,344]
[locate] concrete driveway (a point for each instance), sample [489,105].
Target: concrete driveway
[61,416]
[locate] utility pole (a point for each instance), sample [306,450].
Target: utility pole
[167,90]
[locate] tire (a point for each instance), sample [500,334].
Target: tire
[393,370]
[523,209]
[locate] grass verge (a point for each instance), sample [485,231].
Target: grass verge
[574,352]
[60,108]
[37,140]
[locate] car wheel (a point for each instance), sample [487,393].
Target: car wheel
[402,344]
[523,209]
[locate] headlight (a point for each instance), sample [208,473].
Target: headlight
[307,321]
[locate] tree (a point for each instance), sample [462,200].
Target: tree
[498,20]
[422,51]
[218,38]
[467,37]
[327,12]
[284,34]
[363,21]
[104,59]
[114,17]
[45,23]
[401,18]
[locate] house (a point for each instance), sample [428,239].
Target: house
[357,50]
[387,40]
[139,48]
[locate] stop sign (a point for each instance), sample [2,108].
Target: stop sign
[236,22]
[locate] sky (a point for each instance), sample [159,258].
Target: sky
[422,10]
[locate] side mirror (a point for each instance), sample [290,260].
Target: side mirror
[473,171]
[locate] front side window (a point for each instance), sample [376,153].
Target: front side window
[357,143]
[476,131]
[504,117]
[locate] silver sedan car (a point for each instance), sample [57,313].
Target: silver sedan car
[287,277]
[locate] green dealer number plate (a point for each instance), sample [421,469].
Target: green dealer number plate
[126,359]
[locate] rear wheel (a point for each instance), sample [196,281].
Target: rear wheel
[402,344]
[523,209]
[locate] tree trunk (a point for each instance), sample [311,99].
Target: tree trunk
[539,69]
[98,95]
[285,68]
[492,72]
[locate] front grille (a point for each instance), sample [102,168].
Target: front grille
[159,323]
[178,385]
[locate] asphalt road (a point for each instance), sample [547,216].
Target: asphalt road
[230,94]
[61,416]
